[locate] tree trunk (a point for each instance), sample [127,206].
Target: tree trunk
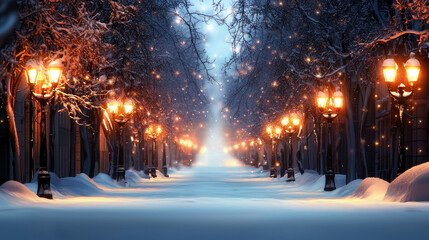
[86,148]
[72,148]
[363,158]
[14,141]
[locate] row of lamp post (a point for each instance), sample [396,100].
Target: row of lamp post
[43,82]
[329,106]
[291,125]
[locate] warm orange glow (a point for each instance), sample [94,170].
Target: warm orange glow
[322,99]
[285,121]
[153,131]
[128,108]
[295,121]
[413,74]
[338,99]
[32,75]
[54,71]
[113,107]
[278,130]
[277,164]
[158,130]
[389,74]
[269,130]
[389,70]
[412,66]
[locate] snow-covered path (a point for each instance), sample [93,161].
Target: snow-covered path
[208,203]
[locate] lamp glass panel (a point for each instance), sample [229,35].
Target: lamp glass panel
[128,108]
[413,74]
[112,107]
[32,75]
[158,129]
[389,74]
[321,102]
[338,102]
[285,121]
[54,75]
[295,121]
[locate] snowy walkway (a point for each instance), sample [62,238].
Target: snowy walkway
[228,203]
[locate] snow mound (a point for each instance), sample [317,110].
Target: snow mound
[105,180]
[13,191]
[17,189]
[412,185]
[348,189]
[81,185]
[371,188]
[308,178]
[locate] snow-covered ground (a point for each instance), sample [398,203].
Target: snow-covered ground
[211,203]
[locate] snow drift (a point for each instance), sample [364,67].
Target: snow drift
[412,185]
[371,188]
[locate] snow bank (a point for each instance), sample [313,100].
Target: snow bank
[412,185]
[81,185]
[348,189]
[371,188]
[17,189]
[105,180]
[308,178]
[312,181]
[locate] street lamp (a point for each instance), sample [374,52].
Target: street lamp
[45,81]
[291,125]
[120,111]
[274,133]
[400,95]
[330,107]
[153,132]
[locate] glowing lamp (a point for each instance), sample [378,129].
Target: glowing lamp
[295,121]
[338,99]
[278,130]
[269,130]
[285,121]
[158,129]
[113,107]
[412,66]
[54,71]
[389,70]
[277,164]
[322,99]
[128,108]
[31,74]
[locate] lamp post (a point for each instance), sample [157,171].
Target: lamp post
[274,133]
[400,95]
[329,107]
[153,132]
[120,111]
[45,80]
[164,160]
[291,125]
